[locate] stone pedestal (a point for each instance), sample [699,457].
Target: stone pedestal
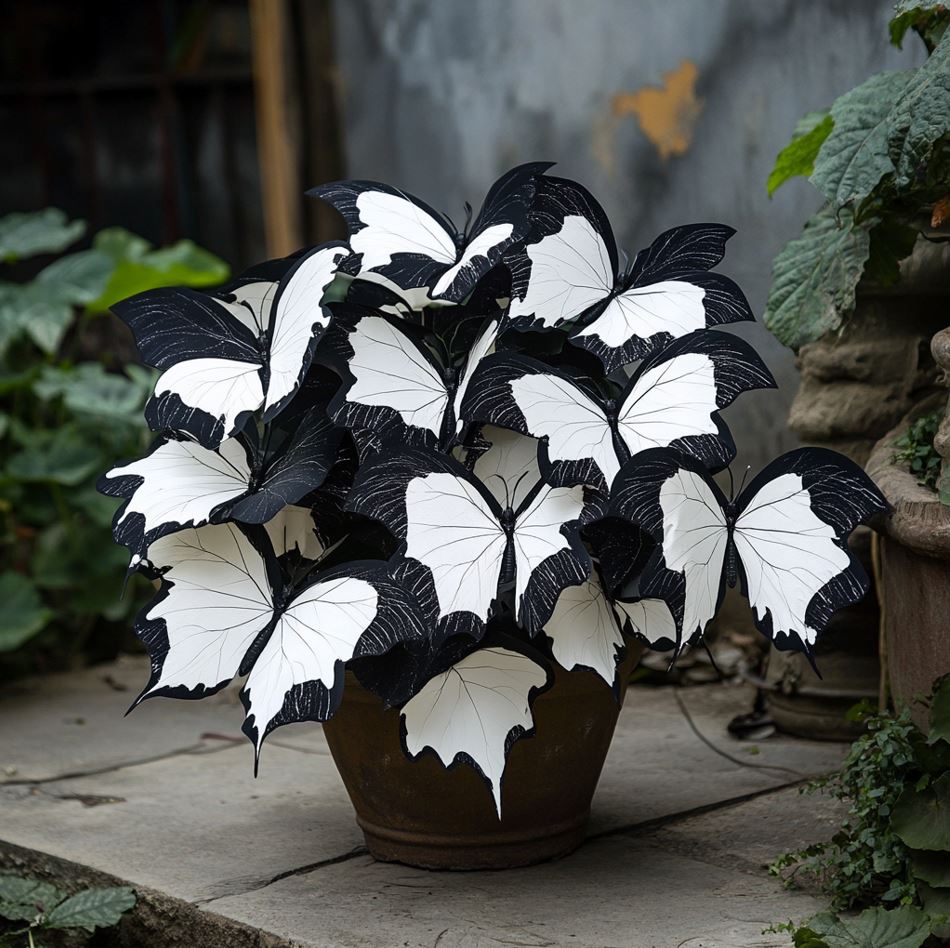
[856,385]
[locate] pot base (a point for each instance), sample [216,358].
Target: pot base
[418,812]
[458,852]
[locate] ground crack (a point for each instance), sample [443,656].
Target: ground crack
[660,821]
[299,871]
[112,768]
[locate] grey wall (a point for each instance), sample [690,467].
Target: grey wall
[441,96]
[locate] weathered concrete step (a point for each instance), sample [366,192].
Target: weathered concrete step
[165,800]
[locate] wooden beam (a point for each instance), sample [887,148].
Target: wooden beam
[277,127]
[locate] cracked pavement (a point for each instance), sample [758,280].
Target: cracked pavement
[165,799]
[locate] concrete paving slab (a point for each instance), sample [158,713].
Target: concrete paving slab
[615,891]
[73,722]
[197,825]
[657,765]
[282,853]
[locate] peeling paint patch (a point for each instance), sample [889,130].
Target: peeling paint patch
[667,114]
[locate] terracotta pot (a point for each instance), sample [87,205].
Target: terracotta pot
[419,813]
[915,578]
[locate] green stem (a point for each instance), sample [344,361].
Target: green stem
[29,935]
[62,508]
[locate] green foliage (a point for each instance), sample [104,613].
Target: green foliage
[814,278]
[24,614]
[68,411]
[921,817]
[926,17]
[916,451]
[901,927]
[880,156]
[135,266]
[47,231]
[797,158]
[854,157]
[43,906]
[920,120]
[894,845]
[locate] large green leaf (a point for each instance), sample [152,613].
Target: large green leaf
[10,326]
[41,311]
[922,117]
[56,457]
[22,616]
[797,158]
[814,278]
[854,157]
[139,268]
[940,712]
[903,927]
[927,17]
[936,902]
[891,242]
[21,900]
[46,231]
[78,277]
[932,868]
[921,818]
[89,389]
[92,908]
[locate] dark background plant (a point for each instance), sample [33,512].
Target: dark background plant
[880,158]
[69,405]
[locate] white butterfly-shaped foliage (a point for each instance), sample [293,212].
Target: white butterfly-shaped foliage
[411,245]
[180,483]
[474,711]
[393,384]
[569,268]
[471,543]
[587,625]
[672,400]
[223,610]
[785,537]
[228,354]
[293,529]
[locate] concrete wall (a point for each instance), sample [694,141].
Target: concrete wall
[670,111]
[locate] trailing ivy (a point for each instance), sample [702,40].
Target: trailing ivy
[891,856]
[916,451]
[878,156]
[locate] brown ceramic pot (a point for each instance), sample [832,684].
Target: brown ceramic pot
[417,812]
[915,575]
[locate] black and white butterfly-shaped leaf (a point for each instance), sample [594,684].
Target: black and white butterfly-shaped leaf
[412,245]
[180,483]
[785,537]
[224,356]
[672,400]
[585,631]
[506,462]
[473,712]
[650,620]
[393,385]
[222,611]
[293,529]
[450,522]
[569,267]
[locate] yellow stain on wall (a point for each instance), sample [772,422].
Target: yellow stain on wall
[667,114]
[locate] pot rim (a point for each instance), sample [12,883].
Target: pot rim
[918,520]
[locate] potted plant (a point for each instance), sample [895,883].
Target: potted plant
[860,294]
[406,487]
